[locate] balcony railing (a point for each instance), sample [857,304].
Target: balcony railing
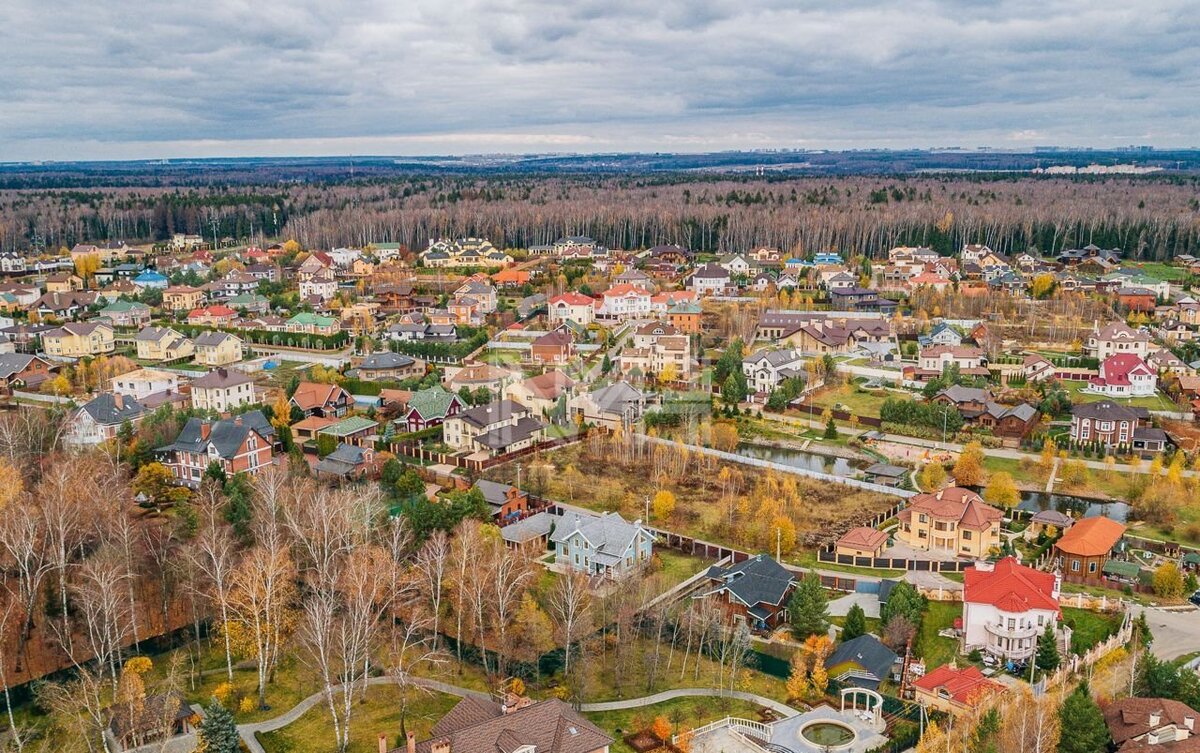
[1016,633]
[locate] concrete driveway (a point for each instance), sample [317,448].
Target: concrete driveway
[868,602]
[1176,631]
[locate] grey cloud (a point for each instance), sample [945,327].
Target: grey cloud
[123,78]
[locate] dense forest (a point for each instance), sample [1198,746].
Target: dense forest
[1149,217]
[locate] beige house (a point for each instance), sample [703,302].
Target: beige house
[162,344]
[78,339]
[222,390]
[182,298]
[217,349]
[953,520]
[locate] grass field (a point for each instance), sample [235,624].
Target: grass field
[1089,628]
[378,712]
[1158,401]
[1026,474]
[1159,270]
[933,648]
[860,402]
[683,713]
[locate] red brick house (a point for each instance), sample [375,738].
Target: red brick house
[1137,299]
[554,347]
[242,444]
[22,370]
[508,503]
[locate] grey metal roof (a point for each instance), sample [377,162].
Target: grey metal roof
[609,534]
[510,434]
[539,524]
[109,409]
[759,580]
[617,397]
[385,360]
[867,652]
[486,415]
[494,492]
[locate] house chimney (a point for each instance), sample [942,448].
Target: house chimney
[205,430]
[440,746]
[1189,722]
[1155,718]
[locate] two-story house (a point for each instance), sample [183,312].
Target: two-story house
[1124,375]
[319,399]
[754,592]
[765,370]
[162,344]
[99,419]
[515,726]
[1116,338]
[79,339]
[1114,426]
[601,545]
[953,520]
[711,279]
[624,301]
[142,383]
[217,348]
[494,429]
[222,390]
[429,407]
[182,298]
[575,307]
[969,359]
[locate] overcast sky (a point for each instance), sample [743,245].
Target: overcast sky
[150,79]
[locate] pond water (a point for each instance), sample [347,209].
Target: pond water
[828,733]
[801,459]
[1084,506]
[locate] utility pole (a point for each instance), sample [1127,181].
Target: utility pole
[778,539]
[647,508]
[518,475]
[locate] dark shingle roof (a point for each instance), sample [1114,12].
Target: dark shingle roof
[760,580]
[109,409]
[867,652]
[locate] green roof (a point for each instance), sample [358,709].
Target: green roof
[316,320]
[245,299]
[118,306]
[1123,569]
[1191,558]
[349,425]
[431,403]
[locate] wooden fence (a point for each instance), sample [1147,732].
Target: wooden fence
[838,415]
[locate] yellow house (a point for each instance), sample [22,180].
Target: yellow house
[217,349]
[162,344]
[954,521]
[182,298]
[78,339]
[63,283]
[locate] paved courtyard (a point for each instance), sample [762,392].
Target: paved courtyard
[840,607]
[787,732]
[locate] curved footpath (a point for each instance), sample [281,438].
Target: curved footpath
[248,731]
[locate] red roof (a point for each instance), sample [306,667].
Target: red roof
[1010,587]
[217,310]
[1091,537]
[964,685]
[954,503]
[572,299]
[625,289]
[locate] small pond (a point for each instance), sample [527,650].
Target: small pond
[829,734]
[800,459]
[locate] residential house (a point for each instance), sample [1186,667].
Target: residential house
[347,461]
[481,726]
[182,298]
[222,390]
[859,299]
[735,264]
[497,428]
[1037,369]
[1149,725]
[1009,421]
[862,541]
[657,349]
[952,520]
[617,405]
[394,297]
[575,307]
[313,324]
[753,592]
[507,502]
[711,279]
[21,370]
[530,534]
[1164,362]
[162,344]
[553,348]
[511,278]
[127,313]
[422,332]
[670,254]
[217,349]
[862,662]
[99,419]
[388,366]
[941,334]
[951,690]
[477,376]
[1006,607]
[216,315]
[623,302]
[481,291]
[319,399]
[1124,375]
[1116,426]
[840,281]
[1136,299]
[604,545]
[65,305]
[63,283]
[970,360]
[463,252]
[430,407]
[685,317]
[79,339]
[142,383]
[544,394]
[531,305]
[241,444]
[765,370]
[1116,338]
[1081,552]
[355,430]
[151,280]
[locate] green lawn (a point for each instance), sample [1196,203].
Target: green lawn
[1158,401]
[859,401]
[808,558]
[636,679]
[933,648]
[1090,628]
[683,713]
[378,712]
[1159,270]
[1025,474]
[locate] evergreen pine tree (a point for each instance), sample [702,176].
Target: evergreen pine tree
[217,732]
[856,623]
[1083,724]
[831,429]
[808,607]
[1047,657]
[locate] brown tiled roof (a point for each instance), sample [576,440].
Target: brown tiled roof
[1130,717]
[955,503]
[863,538]
[551,726]
[309,395]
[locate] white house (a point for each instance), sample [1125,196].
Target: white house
[101,418]
[344,257]
[711,279]
[766,369]
[318,286]
[575,307]
[1124,375]
[222,390]
[735,264]
[1007,606]
[624,301]
[145,382]
[1117,337]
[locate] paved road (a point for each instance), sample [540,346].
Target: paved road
[1176,631]
[667,695]
[248,731]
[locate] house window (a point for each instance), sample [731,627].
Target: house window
[1091,567]
[1075,565]
[966,535]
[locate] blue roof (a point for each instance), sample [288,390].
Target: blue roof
[150,276]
